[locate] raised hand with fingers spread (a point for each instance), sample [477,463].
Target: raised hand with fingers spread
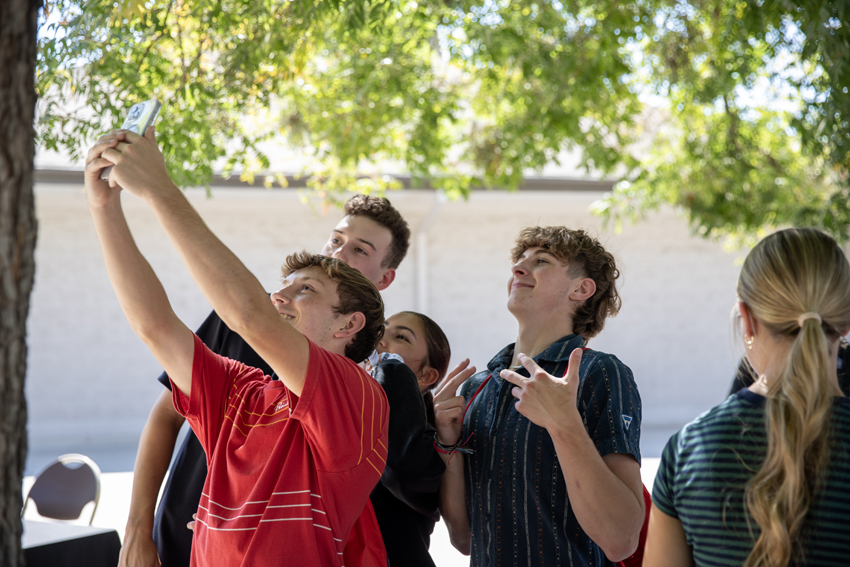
[546,400]
[448,407]
[449,410]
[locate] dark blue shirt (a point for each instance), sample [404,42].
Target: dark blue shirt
[516,496]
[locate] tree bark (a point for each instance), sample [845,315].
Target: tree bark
[18,29]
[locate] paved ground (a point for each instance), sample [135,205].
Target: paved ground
[115,503]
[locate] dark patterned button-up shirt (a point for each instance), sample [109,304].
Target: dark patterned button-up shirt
[516,496]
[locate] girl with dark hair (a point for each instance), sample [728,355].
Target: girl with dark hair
[762,479]
[423,346]
[406,499]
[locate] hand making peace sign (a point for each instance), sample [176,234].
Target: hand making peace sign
[546,400]
[448,408]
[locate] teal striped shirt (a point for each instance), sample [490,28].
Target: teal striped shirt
[703,475]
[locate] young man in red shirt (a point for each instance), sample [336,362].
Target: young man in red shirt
[373,238]
[291,462]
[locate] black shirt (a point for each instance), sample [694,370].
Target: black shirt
[189,472]
[406,499]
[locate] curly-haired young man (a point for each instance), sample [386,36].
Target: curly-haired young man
[553,475]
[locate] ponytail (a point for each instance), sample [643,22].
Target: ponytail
[796,282]
[797,424]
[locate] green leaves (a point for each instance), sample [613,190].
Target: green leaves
[208,62]
[734,111]
[755,132]
[454,95]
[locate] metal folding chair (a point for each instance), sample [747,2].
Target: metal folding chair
[63,488]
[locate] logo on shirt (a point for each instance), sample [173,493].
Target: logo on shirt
[627,421]
[281,405]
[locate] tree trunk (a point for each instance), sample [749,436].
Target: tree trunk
[18,28]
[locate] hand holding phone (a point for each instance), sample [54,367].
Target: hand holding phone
[140,117]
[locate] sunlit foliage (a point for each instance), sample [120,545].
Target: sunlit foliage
[735,111]
[755,128]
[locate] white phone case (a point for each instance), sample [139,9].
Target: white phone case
[139,118]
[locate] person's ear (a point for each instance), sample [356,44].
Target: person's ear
[386,279]
[428,376]
[352,324]
[749,324]
[584,290]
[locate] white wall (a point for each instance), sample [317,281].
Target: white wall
[91,379]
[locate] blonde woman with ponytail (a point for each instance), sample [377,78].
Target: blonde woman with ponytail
[763,480]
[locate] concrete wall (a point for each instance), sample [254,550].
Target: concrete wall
[91,380]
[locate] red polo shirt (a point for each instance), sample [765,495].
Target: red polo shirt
[288,476]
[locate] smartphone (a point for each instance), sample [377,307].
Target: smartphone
[140,117]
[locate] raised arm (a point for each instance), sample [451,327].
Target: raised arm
[234,292]
[448,412]
[138,289]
